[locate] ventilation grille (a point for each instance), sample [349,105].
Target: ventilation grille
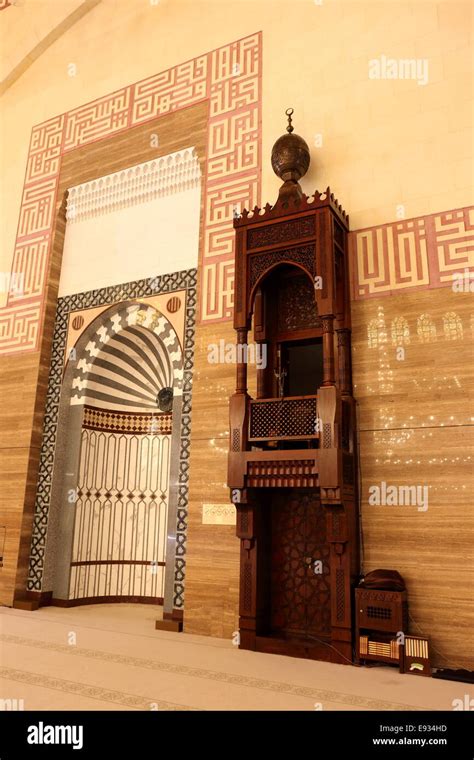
[380,613]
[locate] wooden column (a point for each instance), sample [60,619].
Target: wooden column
[344,361]
[261,374]
[329,377]
[260,336]
[241,383]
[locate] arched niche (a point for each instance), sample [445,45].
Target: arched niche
[284,314]
[116,369]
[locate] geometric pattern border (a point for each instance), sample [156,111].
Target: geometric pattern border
[229,79]
[167,283]
[126,422]
[412,254]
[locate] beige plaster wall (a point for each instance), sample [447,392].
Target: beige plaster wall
[385,143]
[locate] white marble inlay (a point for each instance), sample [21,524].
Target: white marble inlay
[218,514]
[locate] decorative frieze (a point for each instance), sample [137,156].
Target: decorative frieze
[144,182]
[282,232]
[126,422]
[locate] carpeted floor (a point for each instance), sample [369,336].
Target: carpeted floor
[109,657]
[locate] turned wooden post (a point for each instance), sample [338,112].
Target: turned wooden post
[328,351]
[261,384]
[241,384]
[344,361]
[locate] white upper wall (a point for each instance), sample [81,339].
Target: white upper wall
[133,224]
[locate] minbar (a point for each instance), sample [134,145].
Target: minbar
[292,460]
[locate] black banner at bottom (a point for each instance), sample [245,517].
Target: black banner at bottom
[124,734]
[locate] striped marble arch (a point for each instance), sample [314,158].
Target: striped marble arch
[133,355]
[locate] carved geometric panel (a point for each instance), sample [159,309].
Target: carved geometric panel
[300,592]
[259,263]
[297,308]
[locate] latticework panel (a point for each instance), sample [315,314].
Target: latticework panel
[273,419]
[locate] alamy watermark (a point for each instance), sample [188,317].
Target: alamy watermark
[399,68]
[13,283]
[47,734]
[399,496]
[463,282]
[240,353]
[12,704]
[466,703]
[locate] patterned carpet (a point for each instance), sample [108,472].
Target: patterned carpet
[109,657]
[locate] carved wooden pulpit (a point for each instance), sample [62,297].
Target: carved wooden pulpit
[292,459]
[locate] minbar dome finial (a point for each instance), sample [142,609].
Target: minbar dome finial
[290,160]
[289,112]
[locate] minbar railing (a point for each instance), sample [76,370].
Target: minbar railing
[280,419]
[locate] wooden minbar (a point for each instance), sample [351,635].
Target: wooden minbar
[292,459]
